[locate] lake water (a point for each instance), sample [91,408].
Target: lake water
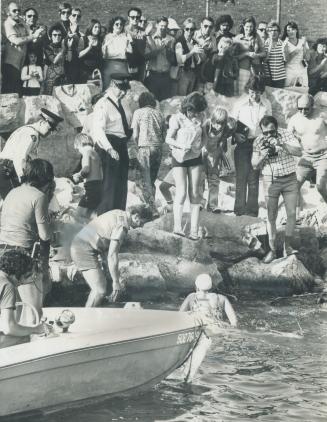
[273,368]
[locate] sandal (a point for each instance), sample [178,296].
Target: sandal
[194,237]
[179,233]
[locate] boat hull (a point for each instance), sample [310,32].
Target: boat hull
[80,372]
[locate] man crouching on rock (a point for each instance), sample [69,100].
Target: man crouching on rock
[105,234]
[273,153]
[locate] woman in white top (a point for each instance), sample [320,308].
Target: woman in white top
[31,76]
[296,53]
[184,136]
[114,48]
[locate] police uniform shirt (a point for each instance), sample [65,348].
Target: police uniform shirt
[21,144]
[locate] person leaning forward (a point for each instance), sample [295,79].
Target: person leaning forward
[20,147]
[111,132]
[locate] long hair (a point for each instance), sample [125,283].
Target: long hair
[293,25]
[89,29]
[250,19]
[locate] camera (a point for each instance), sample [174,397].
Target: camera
[271,148]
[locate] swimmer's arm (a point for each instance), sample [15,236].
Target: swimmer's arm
[172,133]
[231,315]
[292,149]
[185,306]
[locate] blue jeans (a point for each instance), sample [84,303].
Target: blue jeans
[247,181]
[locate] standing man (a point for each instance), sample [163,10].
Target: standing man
[31,17]
[262,30]
[273,153]
[111,132]
[311,129]
[20,147]
[65,10]
[224,24]
[248,112]
[162,57]
[16,38]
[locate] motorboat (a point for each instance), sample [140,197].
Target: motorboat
[105,352]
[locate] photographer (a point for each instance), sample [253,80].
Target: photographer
[273,153]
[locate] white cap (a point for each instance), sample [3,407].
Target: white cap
[172,24]
[203,282]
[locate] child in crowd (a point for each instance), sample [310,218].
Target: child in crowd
[31,76]
[149,131]
[209,309]
[216,131]
[226,68]
[91,173]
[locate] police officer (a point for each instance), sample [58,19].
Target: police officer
[22,144]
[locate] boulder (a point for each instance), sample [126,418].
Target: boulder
[132,95]
[282,277]
[11,112]
[34,104]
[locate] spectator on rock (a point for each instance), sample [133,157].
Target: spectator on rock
[173,27]
[90,173]
[104,235]
[273,154]
[114,48]
[91,54]
[318,67]
[16,38]
[225,67]
[20,146]
[262,30]
[25,226]
[139,44]
[250,52]
[296,54]
[184,137]
[274,63]
[143,22]
[149,130]
[54,53]
[224,24]
[216,131]
[188,55]
[173,30]
[32,75]
[65,10]
[248,113]
[75,19]
[161,58]
[31,17]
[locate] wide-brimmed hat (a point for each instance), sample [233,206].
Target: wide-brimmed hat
[52,118]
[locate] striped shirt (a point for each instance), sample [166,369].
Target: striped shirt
[275,68]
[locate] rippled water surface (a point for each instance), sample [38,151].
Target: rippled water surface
[273,368]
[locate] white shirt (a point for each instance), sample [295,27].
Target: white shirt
[22,143]
[107,121]
[250,113]
[30,81]
[114,46]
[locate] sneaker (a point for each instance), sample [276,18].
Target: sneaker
[270,257]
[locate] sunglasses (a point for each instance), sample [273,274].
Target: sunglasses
[303,108]
[65,12]
[16,10]
[118,24]
[76,15]
[134,17]
[261,29]
[208,26]
[269,132]
[190,29]
[31,16]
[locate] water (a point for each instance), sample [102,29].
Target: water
[274,368]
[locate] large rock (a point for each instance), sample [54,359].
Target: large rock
[282,277]
[34,104]
[132,95]
[11,112]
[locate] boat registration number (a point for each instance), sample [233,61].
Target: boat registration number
[185,337]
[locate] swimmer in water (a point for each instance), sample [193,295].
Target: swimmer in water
[208,308]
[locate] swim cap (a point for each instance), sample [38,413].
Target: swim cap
[203,282]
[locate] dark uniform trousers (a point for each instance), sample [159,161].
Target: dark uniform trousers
[115,176]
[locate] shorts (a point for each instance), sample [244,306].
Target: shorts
[187,163]
[310,162]
[84,256]
[275,186]
[92,197]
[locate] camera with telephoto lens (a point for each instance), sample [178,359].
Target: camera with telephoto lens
[270,147]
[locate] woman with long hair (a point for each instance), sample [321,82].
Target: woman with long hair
[114,47]
[184,136]
[91,55]
[250,52]
[296,54]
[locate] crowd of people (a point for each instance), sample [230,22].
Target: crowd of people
[170,60]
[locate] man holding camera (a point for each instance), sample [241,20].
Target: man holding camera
[273,153]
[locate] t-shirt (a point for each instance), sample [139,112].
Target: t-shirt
[7,293]
[23,209]
[104,228]
[150,124]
